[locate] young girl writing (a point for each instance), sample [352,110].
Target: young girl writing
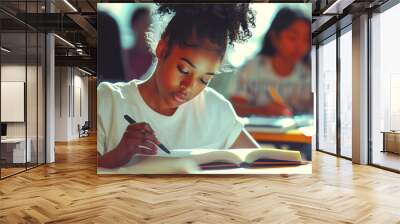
[174,106]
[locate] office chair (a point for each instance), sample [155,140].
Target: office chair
[84,130]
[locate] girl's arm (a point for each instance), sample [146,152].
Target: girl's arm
[245,141]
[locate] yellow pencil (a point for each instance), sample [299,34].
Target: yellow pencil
[275,95]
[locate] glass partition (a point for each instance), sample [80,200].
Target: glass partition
[346,94]
[14,152]
[22,90]
[327,96]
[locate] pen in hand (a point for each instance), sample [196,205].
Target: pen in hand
[131,121]
[285,110]
[275,95]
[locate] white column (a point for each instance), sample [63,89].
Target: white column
[360,90]
[50,93]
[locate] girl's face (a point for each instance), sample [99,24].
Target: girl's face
[293,42]
[184,73]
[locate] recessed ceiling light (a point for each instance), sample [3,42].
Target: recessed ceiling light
[70,5]
[84,71]
[5,50]
[64,40]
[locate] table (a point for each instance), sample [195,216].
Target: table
[391,141]
[183,163]
[294,136]
[13,150]
[301,169]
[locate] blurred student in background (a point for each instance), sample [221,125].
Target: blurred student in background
[109,56]
[139,57]
[277,82]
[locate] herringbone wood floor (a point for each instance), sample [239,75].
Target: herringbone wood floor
[69,191]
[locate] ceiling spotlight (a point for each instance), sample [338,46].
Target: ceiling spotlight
[337,7]
[70,5]
[84,71]
[5,50]
[65,41]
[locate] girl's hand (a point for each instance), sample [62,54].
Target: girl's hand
[138,138]
[278,109]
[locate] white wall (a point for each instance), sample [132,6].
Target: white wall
[61,103]
[70,83]
[15,73]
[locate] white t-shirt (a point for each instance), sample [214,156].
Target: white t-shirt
[255,77]
[208,121]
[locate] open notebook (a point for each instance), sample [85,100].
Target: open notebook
[198,160]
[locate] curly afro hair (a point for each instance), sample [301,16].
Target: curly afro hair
[221,24]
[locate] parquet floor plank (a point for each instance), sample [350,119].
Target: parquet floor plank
[70,191]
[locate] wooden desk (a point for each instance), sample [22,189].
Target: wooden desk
[301,169]
[182,163]
[13,150]
[391,141]
[291,136]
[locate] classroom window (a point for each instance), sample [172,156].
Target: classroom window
[346,94]
[327,96]
[385,88]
